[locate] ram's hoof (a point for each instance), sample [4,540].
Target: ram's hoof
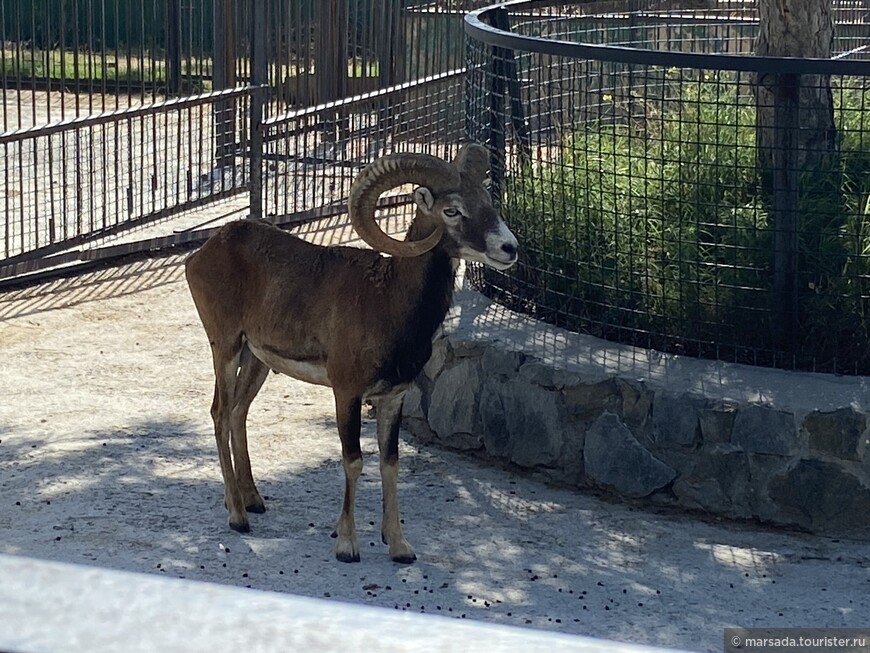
[404,559]
[343,556]
[240,526]
[257,507]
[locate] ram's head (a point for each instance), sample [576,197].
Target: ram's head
[451,198]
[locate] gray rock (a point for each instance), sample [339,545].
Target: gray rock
[864,450]
[535,422]
[759,429]
[614,458]
[419,429]
[413,404]
[570,463]
[441,356]
[762,468]
[461,348]
[675,420]
[836,433]
[591,399]
[636,403]
[822,496]
[547,376]
[717,480]
[465,441]
[498,361]
[522,422]
[453,406]
[496,436]
[538,373]
[717,422]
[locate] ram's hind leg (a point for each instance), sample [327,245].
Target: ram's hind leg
[389,411]
[252,374]
[226,364]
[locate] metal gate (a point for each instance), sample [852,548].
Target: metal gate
[120,115]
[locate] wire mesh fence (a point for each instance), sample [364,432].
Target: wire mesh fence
[120,113]
[680,194]
[68,58]
[95,175]
[313,155]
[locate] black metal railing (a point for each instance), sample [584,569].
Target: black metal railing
[85,178]
[119,114]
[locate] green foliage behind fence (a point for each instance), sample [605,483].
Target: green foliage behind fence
[651,225]
[102,25]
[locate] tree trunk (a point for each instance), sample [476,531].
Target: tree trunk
[796,28]
[796,141]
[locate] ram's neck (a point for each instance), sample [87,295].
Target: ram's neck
[425,283]
[421,291]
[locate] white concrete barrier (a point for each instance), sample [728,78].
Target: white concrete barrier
[50,607]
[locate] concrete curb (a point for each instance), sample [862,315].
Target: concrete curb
[50,606]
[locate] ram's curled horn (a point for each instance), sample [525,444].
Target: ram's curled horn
[473,162]
[386,173]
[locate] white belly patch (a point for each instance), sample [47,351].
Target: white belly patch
[302,370]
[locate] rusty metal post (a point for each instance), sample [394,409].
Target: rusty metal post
[259,79]
[786,209]
[224,77]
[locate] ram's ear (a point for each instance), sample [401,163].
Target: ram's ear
[424,198]
[473,162]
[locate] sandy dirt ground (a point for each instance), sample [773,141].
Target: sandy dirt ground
[107,458]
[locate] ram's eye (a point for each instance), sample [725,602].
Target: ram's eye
[451,212]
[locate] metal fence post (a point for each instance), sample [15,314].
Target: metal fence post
[173,46]
[223,77]
[504,79]
[330,61]
[259,79]
[496,136]
[786,202]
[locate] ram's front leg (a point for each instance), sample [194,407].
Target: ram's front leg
[389,419]
[347,412]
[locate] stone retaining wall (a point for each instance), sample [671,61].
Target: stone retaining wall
[785,448]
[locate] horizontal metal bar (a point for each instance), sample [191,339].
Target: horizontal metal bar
[202,235]
[37,270]
[478,29]
[289,116]
[122,114]
[108,86]
[26,261]
[199,236]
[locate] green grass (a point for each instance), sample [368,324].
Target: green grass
[357,67]
[97,67]
[657,229]
[56,64]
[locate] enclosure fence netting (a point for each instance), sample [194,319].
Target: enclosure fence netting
[673,191]
[669,188]
[119,115]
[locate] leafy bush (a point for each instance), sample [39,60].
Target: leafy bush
[651,226]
